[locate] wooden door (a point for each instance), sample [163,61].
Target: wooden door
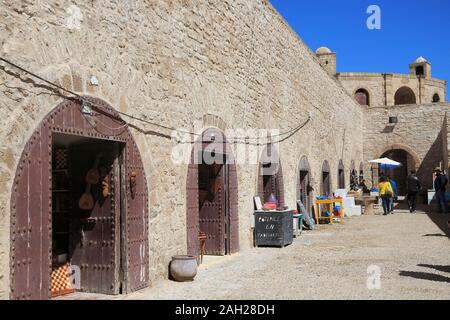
[212,207]
[94,245]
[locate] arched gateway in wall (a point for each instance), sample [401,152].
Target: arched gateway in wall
[270,175]
[212,196]
[80,197]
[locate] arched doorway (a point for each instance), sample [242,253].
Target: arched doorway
[399,174]
[212,196]
[405,95]
[304,188]
[325,183]
[354,182]
[341,175]
[270,176]
[362,97]
[80,197]
[361,172]
[436,98]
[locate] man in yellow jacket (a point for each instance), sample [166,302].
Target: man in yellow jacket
[386,193]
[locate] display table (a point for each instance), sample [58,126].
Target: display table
[330,204]
[274,228]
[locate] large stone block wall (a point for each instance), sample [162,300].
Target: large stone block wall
[173,62]
[421,131]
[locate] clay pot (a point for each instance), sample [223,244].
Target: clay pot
[183,268]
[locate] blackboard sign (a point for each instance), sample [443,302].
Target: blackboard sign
[274,228]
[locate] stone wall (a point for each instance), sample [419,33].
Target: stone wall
[382,87]
[421,131]
[173,62]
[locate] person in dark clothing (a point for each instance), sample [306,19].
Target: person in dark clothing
[440,184]
[413,187]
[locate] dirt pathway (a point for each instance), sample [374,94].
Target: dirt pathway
[410,251]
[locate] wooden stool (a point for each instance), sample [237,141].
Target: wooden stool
[202,238]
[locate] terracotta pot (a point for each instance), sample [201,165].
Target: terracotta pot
[183,268]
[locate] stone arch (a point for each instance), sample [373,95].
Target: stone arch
[436,98]
[32,209]
[325,181]
[341,175]
[212,121]
[223,231]
[405,95]
[400,146]
[362,96]
[270,175]
[304,181]
[361,172]
[401,153]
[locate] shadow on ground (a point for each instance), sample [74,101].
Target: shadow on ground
[426,275]
[439,219]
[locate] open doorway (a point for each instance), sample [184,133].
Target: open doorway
[213,202]
[325,183]
[341,175]
[107,241]
[305,190]
[86,210]
[399,174]
[212,197]
[270,176]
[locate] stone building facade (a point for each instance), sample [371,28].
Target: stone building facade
[388,89]
[405,117]
[150,67]
[156,76]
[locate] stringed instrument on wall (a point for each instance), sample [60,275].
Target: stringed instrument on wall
[87,201]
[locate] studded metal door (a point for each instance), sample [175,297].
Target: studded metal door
[233,202]
[212,207]
[192,210]
[31,215]
[31,221]
[135,226]
[93,242]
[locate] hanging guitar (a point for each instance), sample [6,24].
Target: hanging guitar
[87,201]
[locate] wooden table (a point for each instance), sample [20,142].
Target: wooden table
[330,204]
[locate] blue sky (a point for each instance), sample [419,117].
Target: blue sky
[409,29]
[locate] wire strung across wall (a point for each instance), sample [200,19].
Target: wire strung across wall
[243,140]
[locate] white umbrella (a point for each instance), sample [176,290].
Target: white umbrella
[386,162]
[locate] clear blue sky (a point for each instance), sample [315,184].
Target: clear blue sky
[409,29]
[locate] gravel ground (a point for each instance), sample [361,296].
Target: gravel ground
[411,251]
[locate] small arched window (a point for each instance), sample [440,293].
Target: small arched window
[436,98]
[362,97]
[405,95]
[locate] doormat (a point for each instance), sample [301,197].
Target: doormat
[61,281]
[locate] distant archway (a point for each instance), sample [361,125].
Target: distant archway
[325,183]
[362,96]
[399,174]
[270,175]
[304,189]
[405,95]
[341,175]
[361,172]
[436,98]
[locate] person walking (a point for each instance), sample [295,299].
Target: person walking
[386,193]
[413,187]
[440,184]
[395,193]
